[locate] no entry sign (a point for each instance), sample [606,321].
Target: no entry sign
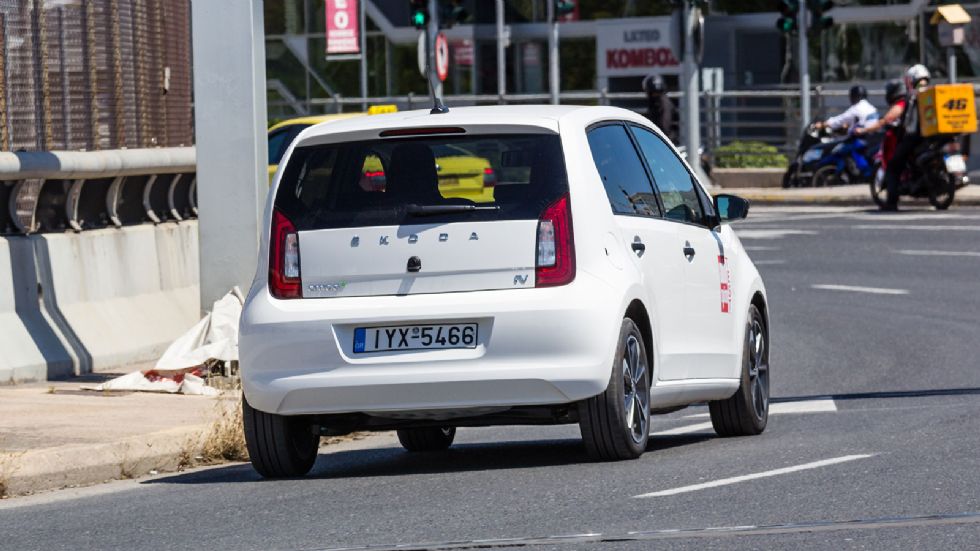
[442,57]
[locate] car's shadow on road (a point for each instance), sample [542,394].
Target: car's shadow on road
[471,457]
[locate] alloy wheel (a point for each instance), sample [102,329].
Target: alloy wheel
[636,390]
[758,368]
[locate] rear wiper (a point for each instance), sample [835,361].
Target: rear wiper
[429,210]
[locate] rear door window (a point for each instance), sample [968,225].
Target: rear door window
[626,181]
[674,182]
[440,179]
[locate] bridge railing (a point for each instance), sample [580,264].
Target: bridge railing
[51,191]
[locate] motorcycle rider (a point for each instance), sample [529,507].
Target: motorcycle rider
[660,110]
[858,115]
[916,79]
[891,123]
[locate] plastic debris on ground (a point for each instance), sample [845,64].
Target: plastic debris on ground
[182,367]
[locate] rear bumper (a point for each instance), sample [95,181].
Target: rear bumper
[535,347]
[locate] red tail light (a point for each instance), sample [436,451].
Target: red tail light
[489,177]
[556,250]
[284,276]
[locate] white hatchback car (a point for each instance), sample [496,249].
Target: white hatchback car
[598,283]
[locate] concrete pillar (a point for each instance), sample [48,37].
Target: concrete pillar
[230,126]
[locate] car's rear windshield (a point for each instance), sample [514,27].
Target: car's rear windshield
[387,182]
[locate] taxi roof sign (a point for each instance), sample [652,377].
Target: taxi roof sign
[379,109]
[954,14]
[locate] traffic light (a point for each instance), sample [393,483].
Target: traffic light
[451,13]
[564,7]
[819,20]
[788,10]
[419,13]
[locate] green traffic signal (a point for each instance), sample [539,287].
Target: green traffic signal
[419,19]
[564,7]
[786,24]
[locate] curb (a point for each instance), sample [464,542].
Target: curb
[791,198]
[81,465]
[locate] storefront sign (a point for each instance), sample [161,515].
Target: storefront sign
[343,27]
[636,47]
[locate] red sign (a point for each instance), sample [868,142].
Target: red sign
[640,57]
[442,57]
[343,27]
[463,53]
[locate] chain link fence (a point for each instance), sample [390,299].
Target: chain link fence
[93,75]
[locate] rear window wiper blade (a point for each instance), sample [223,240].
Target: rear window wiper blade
[430,210]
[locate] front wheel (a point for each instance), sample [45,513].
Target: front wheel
[279,446]
[879,191]
[747,411]
[427,439]
[615,425]
[942,190]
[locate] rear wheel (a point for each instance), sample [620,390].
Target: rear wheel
[826,176]
[427,439]
[279,446]
[616,424]
[747,411]
[942,190]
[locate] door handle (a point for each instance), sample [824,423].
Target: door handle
[688,251]
[638,247]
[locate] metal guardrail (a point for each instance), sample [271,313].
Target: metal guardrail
[50,191]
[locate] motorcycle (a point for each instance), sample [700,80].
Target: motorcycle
[936,170]
[825,160]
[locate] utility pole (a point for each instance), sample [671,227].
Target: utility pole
[553,82]
[431,30]
[803,25]
[691,101]
[501,68]
[362,33]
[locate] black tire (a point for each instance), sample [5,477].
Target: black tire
[942,191]
[879,191]
[789,177]
[610,427]
[746,412]
[825,176]
[427,439]
[279,446]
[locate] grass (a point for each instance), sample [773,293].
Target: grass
[225,438]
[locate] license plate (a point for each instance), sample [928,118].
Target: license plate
[415,337]
[955,163]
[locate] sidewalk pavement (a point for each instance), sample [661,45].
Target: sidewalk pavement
[55,435]
[852,195]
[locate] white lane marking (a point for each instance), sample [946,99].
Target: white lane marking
[761,248]
[764,262]
[770,233]
[780,408]
[754,476]
[687,429]
[856,289]
[912,252]
[911,227]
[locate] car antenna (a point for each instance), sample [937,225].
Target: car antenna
[438,108]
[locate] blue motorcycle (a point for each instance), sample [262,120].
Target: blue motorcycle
[849,160]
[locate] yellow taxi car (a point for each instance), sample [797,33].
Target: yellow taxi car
[461,173]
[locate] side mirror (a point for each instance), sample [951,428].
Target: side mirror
[731,208]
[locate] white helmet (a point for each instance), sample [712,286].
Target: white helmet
[914,74]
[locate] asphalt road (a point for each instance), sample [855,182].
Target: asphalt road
[874,441]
